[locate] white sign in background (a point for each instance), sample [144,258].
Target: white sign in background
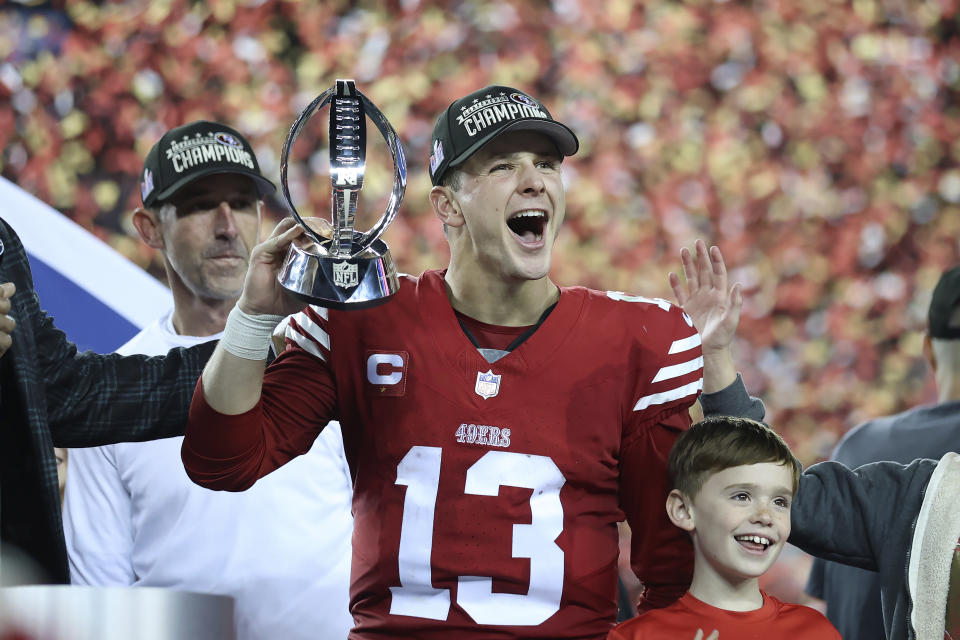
[99,298]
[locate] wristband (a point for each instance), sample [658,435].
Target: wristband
[248,336]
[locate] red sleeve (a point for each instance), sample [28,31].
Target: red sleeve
[661,555]
[669,378]
[616,634]
[633,629]
[231,452]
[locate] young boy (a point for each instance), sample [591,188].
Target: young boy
[733,483]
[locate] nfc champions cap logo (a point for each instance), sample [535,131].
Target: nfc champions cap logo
[220,147]
[494,109]
[524,99]
[225,138]
[436,157]
[146,185]
[488,384]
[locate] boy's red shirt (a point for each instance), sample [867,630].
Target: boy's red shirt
[775,620]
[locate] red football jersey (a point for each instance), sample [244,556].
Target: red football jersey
[486,496]
[775,620]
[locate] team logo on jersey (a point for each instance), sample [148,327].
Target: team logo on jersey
[469,433]
[345,274]
[387,372]
[488,384]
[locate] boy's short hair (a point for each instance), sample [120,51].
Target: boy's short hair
[721,442]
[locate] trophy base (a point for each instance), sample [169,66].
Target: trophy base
[318,277]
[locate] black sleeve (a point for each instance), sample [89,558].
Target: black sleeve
[95,399]
[92,399]
[733,401]
[856,516]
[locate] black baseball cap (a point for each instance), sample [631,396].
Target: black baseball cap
[946,295]
[474,120]
[192,151]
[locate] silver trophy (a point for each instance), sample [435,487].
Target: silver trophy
[352,269]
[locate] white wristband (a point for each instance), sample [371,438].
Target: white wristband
[248,336]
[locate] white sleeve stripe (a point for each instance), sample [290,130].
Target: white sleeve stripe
[685,344]
[323,312]
[305,343]
[312,329]
[667,396]
[677,370]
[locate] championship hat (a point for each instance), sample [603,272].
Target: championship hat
[474,120]
[192,151]
[946,295]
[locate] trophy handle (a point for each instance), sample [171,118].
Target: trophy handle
[292,135]
[399,173]
[349,244]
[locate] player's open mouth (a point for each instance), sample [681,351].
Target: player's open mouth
[756,544]
[528,225]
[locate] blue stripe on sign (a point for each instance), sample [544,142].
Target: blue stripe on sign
[86,320]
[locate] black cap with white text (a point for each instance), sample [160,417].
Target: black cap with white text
[195,150]
[472,121]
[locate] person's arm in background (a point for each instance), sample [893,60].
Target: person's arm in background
[97,521]
[91,399]
[847,515]
[95,399]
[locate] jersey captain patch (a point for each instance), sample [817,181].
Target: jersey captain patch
[387,372]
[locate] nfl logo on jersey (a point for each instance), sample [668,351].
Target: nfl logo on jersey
[345,275]
[488,384]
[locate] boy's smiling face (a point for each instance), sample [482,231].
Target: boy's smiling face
[740,520]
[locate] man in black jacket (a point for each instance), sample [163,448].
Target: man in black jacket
[51,395]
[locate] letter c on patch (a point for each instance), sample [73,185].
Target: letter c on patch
[394,364]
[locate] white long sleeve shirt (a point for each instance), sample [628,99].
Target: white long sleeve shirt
[282,548]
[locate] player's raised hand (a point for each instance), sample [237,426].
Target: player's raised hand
[7,324]
[713,636]
[262,293]
[706,298]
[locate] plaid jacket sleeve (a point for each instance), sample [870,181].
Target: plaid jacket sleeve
[88,399]
[95,399]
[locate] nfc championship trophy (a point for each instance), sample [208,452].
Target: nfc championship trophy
[352,269]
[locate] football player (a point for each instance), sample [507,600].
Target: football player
[497,426]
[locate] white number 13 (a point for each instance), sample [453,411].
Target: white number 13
[419,471]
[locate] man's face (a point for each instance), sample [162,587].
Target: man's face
[209,228]
[512,201]
[741,520]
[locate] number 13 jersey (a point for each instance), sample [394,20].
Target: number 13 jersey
[486,495]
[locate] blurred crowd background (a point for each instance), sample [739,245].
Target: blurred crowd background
[815,142]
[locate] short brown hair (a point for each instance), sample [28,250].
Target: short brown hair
[721,442]
[453,178]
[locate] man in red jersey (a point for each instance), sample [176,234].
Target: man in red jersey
[497,426]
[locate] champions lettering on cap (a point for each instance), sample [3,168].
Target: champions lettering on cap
[192,151]
[473,121]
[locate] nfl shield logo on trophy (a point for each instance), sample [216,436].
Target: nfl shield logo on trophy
[345,275]
[488,384]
